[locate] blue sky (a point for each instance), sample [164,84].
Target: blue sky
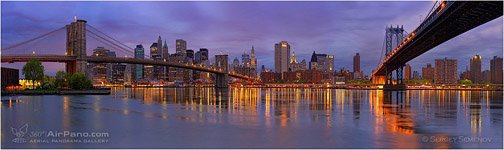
[338,28]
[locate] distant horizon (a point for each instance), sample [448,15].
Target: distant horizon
[335,28]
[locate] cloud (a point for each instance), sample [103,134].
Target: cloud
[338,28]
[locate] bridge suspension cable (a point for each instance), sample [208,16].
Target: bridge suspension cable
[122,49]
[113,39]
[33,39]
[111,45]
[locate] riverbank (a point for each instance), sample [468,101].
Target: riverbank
[58,92]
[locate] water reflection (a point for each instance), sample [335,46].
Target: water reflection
[271,118]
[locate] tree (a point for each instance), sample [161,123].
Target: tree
[79,81]
[34,71]
[466,82]
[61,79]
[48,82]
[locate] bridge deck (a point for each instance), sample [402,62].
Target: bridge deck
[447,22]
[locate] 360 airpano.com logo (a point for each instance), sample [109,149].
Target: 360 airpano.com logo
[20,133]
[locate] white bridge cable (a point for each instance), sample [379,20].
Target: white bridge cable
[106,43]
[117,41]
[122,49]
[33,39]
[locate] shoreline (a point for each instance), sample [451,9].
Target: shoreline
[57,92]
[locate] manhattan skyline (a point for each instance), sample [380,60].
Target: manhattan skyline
[337,28]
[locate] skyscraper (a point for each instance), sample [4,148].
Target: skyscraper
[428,73]
[475,68]
[282,57]
[356,63]
[321,62]
[100,71]
[486,76]
[204,54]
[166,57]
[253,60]
[180,46]
[139,54]
[356,67]
[245,59]
[496,70]
[445,71]
[160,47]
[407,72]
[156,54]
[166,54]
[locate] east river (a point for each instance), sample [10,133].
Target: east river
[255,118]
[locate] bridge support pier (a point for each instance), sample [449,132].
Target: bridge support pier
[221,81]
[399,84]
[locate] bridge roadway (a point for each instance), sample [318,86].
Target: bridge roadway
[449,20]
[63,59]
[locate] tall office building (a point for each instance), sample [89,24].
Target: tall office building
[138,68]
[180,46]
[253,60]
[118,74]
[322,62]
[166,54]
[282,57]
[496,70]
[160,47]
[245,59]
[204,54]
[407,72]
[356,67]
[445,71]
[176,74]
[475,68]
[428,72]
[166,57]
[221,62]
[356,63]
[156,54]
[486,76]
[100,71]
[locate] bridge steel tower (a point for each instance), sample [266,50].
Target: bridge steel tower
[76,46]
[393,37]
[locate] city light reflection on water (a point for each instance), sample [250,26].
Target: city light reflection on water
[265,118]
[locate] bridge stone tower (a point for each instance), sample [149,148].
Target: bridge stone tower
[76,46]
[221,63]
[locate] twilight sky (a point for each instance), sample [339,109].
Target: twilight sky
[338,28]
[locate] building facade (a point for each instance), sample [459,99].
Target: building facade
[180,46]
[428,73]
[475,68]
[156,54]
[282,53]
[445,71]
[407,72]
[496,70]
[294,65]
[138,68]
[322,62]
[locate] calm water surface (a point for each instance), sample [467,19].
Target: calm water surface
[255,118]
